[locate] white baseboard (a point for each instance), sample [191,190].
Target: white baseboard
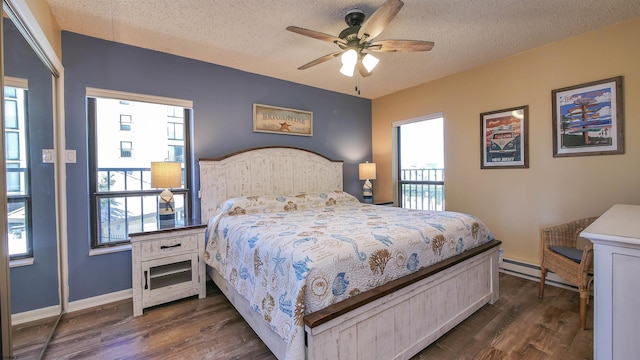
[51,311]
[532,272]
[33,315]
[99,300]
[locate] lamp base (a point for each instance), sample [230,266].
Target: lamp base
[166,221]
[367,192]
[166,210]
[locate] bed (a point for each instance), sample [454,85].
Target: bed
[388,287]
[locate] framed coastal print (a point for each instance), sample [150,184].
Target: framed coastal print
[588,119]
[504,138]
[279,120]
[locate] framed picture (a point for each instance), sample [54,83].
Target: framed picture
[505,138]
[279,120]
[588,119]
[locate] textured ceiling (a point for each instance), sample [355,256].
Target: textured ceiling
[250,35]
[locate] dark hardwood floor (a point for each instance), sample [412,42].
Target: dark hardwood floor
[518,326]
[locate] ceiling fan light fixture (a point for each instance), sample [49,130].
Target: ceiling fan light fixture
[357,40]
[369,61]
[349,59]
[347,70]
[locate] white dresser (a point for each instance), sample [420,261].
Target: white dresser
[616,242]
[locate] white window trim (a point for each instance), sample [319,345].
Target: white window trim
[122,95]
[16,82]
[110,250]
[417,119]
[21,262]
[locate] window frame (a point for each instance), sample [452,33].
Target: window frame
[15,143]
[123,150]
[125,125]
[96,196]
[171,133]
[172,153]
[21,196]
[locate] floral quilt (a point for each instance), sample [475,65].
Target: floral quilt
[293,255]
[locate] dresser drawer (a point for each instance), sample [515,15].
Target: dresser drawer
[169,246]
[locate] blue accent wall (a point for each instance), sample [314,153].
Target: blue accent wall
[223,101]
[35,286]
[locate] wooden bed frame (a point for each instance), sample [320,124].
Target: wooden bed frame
[421,306]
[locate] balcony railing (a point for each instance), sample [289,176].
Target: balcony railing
[126,203]
[422,189]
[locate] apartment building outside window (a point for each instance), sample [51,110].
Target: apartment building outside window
[17,169]
[122,200]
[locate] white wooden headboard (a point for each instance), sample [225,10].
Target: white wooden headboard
[265,171]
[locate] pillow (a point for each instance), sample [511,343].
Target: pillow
[330,198]
[568,252]
[275,203]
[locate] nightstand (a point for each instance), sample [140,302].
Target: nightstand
[167,264]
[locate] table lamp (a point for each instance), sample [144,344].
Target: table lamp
[367,171]
[166,175]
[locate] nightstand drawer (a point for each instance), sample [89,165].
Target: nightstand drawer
[169,246]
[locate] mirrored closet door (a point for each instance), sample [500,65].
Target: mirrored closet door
[31,292]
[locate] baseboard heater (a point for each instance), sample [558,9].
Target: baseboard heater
[532,272]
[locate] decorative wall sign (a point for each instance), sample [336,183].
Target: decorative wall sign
[505,138]
[278,120]
[588,119]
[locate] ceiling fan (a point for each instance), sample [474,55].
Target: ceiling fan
[357,41]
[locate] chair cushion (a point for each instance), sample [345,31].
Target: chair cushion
[569,252]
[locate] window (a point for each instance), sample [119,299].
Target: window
[12,143]
[421,163]
[17,160]
[122,200]
[125,122]
[175,131]
[175,153]
[125,149]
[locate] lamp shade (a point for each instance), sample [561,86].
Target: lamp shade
[367,171]
[166,174]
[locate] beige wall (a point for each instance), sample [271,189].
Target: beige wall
[516,203]
[48,23]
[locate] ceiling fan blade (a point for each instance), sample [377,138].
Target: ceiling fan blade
[320,60]
[376,23]
[316,35]
[400,46]
[362,70]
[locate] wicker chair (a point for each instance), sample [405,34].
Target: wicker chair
[576,270]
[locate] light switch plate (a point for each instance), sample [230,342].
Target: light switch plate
[70,156]
[48,156]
